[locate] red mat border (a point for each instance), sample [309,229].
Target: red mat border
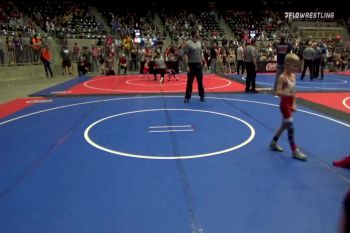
[18,104]
[80,89]
[332,100]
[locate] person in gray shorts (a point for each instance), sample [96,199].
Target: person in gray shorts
[193,56]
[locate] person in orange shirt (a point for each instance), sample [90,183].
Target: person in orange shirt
[46,59]
[36,46]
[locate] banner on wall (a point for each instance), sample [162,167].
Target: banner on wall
[266,66]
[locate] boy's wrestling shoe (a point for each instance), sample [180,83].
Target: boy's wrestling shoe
[274,146]
[299,155]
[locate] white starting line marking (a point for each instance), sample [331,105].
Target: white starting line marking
[38,101]
[169,126]
[170,130]
[60,92]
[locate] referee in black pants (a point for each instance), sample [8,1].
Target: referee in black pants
[308,55]
[250,65]
[194,57]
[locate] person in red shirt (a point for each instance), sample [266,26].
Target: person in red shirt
[36,46]
[123,63]
[146,70]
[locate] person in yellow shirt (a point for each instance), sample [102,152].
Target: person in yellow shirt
[127,43]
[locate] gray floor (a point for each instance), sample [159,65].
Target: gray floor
[12,89]
[21,81]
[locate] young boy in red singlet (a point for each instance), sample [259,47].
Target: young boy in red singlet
[286,90]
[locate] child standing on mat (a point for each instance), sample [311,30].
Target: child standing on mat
[146,68]
[286,90]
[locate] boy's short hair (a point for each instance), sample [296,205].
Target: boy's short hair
[292,58]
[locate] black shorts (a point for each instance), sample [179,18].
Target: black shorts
[66,63]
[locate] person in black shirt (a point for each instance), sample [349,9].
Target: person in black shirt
[213,58]
[282,49]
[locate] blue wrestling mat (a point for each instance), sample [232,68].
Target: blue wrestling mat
[331,82]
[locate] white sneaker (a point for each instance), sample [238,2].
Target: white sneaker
[299,155]
[275,147]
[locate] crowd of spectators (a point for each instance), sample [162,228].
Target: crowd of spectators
[133,28]
[263,25]
[12,20]
[179,21]
[63,19]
